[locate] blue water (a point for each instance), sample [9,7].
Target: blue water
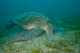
[64,14]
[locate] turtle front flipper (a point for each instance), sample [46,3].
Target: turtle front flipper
[48,28]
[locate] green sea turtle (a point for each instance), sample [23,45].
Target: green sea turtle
[33,20]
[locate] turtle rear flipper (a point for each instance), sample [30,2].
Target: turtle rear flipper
[10,25]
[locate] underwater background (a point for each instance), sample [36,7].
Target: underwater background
[65,12]
[64,15]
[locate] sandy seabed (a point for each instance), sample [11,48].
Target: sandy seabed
[59,42]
